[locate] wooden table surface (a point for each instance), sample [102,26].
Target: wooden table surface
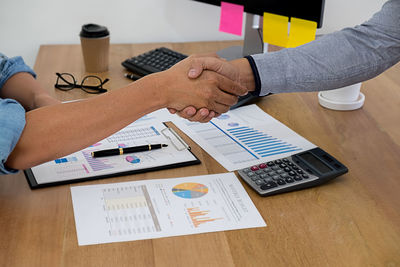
[352,221]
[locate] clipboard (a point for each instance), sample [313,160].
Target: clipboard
[80,166]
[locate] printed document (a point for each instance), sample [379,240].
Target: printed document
[244,137]
[146,209]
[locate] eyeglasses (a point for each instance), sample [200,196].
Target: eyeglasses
[90,84]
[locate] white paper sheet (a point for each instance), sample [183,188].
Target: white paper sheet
[244,137]
[159,208]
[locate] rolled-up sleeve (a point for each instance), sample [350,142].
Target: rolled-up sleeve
[12,123]
[12,114]
[11,66]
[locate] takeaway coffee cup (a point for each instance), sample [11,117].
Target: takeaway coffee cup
[95,43]
[345,98]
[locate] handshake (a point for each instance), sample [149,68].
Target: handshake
[202,87]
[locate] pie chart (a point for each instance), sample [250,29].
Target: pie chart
[190,190]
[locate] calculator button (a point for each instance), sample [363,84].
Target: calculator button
[295,167]
[305,176]
[284,175]
[275,168]
[287,169]
[280,171]
[289,180]
[254,178]
[290,164]
[297,178]
[278,161]
[259,171]
[292,173]
[254,168]
[281,182]
[268,180]
[268,185]
[276,177]
[285,160]
[246,170]
[250,174]
[282,165]
[262,166]
[270,163]
[300,171]
[259,182]
[263,175]
[272,173]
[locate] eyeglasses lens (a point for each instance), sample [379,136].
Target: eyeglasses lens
[65,81]
[91,84]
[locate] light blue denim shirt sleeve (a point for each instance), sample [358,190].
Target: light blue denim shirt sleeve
[12,114]
[335,60]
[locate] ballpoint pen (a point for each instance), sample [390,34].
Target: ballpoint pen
[126,150]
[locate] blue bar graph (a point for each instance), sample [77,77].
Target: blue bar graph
[260,143]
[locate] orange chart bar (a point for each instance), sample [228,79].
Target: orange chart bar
[196,216]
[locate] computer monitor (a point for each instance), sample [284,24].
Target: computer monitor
[310,10]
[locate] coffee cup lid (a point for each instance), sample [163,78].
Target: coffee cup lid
[94,31]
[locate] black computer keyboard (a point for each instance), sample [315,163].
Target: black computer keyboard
[161,59]
[153,61]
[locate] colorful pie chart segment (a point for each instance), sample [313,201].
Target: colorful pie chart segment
[132,159]
[190,190]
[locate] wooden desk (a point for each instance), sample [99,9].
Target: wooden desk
[352,221]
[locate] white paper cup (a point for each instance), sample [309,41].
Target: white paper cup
[345,98]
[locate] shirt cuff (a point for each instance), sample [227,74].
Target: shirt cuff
[257,80]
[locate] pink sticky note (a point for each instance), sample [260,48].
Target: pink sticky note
[231,18]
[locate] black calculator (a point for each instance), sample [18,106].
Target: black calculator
[305,169]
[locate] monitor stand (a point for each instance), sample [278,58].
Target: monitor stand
[253,44]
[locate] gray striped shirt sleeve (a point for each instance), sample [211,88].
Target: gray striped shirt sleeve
[335,60]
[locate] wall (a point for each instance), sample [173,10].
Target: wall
[25,24]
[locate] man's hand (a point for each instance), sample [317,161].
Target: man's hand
[237,70]
[209,90]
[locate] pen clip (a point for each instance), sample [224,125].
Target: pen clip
[182,143]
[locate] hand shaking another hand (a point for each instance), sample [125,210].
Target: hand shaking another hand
[237,71]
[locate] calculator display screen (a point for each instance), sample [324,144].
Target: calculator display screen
[315,162]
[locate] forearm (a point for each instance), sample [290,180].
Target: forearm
[27,91]
[58,130]
[335,60]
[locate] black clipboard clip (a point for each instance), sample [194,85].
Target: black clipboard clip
[175,139]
